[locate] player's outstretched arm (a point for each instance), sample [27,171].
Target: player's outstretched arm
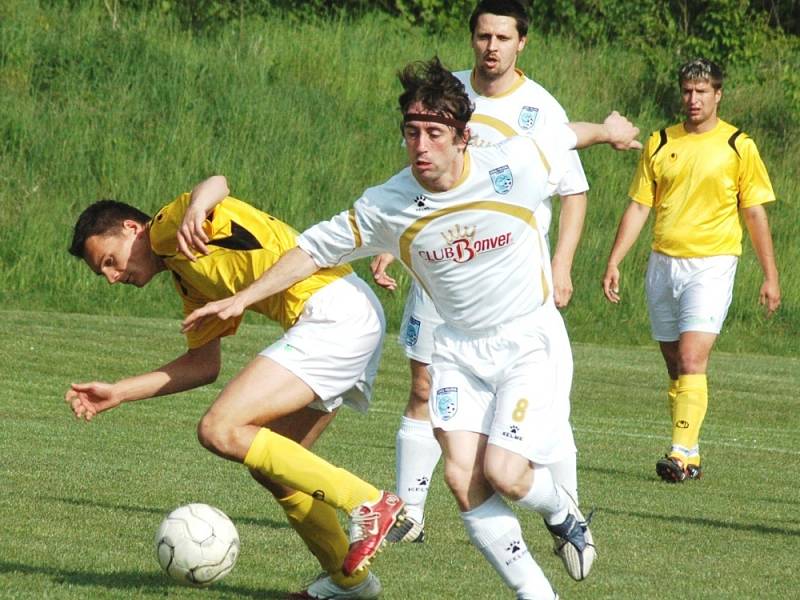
[630,226]
[755,217]
[205,196]
[292,267]
[616,130]
[196,367]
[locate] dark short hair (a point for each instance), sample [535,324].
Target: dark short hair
[501,8]
[104,217]
[430,83]
[701,69]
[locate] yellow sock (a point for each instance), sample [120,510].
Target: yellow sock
[691,402]
[317,525]
[672,393]
[287,462]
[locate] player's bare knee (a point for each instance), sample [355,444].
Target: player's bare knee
[508,478]
[692,363]
[216,435]
[420,391]
[458,480]
[510,488]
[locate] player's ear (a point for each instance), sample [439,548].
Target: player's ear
[133,226]
[466,136]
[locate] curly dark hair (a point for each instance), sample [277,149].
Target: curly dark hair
[104,217]
[430,83]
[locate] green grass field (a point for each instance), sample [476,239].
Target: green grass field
[80,503]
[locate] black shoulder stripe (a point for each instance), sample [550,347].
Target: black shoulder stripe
[662,142]
[240,239]
[732,141]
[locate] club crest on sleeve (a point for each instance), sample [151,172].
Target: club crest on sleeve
[527,117]
[502,179]
[412,332]
[447,402]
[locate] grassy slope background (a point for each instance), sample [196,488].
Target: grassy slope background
[301,118]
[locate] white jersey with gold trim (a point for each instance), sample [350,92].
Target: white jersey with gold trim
[523,110]
[476,248]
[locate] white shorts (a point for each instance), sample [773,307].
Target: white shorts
[420,318]
[511,384]
[688,294]
[335,345]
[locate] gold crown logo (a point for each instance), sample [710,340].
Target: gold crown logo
[458,233]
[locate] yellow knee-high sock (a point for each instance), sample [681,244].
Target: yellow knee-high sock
[317,525]
[691,403]
[287,462]
[672,393]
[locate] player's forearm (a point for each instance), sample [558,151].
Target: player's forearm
[630,226]
[616,130]
[761,237]
[193,369]
[570,227]
[587,134]
[292,267]
[207,194]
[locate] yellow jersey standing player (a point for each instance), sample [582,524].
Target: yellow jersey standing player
[278,405]
[698,175]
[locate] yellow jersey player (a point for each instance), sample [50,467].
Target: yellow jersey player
[279,404]
[698,176]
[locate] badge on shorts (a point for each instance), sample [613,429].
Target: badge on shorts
[447,402]
[527,117]
[502,179]
[412,332]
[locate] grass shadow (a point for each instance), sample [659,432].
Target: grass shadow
[127,580]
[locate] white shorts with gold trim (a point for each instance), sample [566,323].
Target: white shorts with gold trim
[511,383]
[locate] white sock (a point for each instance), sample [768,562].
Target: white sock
[495,531]
[417,455]
[565,474]
[545,497]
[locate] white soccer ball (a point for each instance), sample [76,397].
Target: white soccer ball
[197,544]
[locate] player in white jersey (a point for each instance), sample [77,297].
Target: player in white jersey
[461,219]
[507,103]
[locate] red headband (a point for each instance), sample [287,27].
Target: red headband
[434,119]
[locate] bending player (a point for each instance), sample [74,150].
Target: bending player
[279,404]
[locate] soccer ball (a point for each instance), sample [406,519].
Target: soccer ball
[197,544]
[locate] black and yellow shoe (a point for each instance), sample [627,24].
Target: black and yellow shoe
[672,470]
[693,471]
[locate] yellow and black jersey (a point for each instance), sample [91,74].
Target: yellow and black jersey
[697,183]
[243,243]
